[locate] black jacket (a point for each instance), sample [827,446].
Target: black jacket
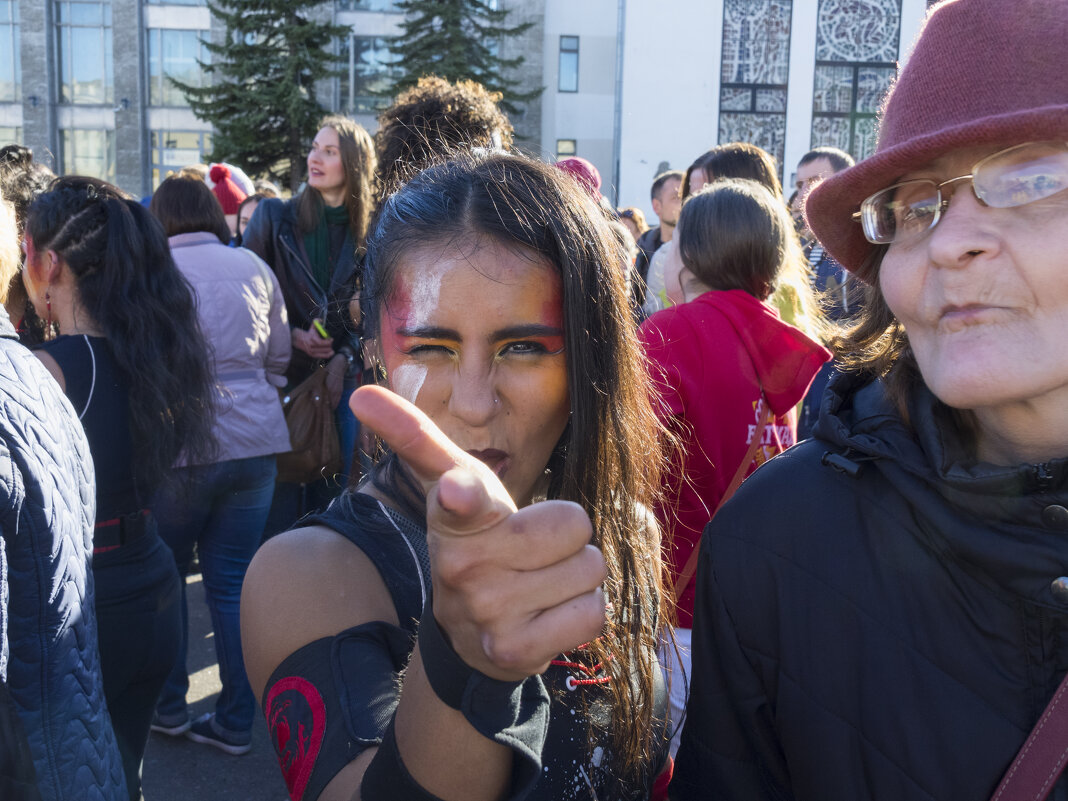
[647,246]
[272,235]
[875,617]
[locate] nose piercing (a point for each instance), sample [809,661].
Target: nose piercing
[496,400]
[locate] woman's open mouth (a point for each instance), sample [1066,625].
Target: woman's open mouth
[496,460]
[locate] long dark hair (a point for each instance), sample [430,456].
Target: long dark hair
[129,286]
[610,457]
[358,160]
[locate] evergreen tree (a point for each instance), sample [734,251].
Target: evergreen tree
[458,40]
[262,100]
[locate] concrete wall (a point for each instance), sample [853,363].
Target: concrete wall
[37,45]
[130,52]
[670,105]
[588,115]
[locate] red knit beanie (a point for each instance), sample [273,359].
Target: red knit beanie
[228,193]
[584,172]
[983,72]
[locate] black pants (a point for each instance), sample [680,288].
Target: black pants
[139,622]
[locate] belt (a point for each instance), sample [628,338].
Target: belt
[119,531]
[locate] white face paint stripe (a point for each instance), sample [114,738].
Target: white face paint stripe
[424,297]
[407,379]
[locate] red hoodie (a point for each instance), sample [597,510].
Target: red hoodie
[709,358]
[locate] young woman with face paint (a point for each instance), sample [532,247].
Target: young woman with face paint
[507,514]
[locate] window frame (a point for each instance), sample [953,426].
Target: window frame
[347,96]
[861,143]
[155,35]
[68,153]
[754,90]
[67,63]
[11,25]
[560,64]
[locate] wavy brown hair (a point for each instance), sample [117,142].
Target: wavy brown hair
[611,455]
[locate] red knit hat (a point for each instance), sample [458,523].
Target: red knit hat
[229,193]
[983,72]
[584,172]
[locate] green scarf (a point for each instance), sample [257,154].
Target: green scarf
[317,243]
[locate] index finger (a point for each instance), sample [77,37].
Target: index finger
[409,433]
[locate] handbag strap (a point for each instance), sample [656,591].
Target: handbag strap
[690,567]
[1034,772]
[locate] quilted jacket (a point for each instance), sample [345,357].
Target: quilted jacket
[48,638]
[878,615]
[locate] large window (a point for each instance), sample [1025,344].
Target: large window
[172,150]
[569,53]
[856,51]
[85,71]
[177,2]
[10,136]
[88,152]
[366,5]
[754,73]
[174,54]
[368,69]
[10,69]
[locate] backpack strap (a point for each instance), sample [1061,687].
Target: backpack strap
[688,569]
[1041,760]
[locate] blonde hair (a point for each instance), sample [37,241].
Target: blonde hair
[9,248]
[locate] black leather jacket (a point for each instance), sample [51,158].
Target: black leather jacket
[272,235]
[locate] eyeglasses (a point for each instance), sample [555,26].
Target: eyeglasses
[1013,177]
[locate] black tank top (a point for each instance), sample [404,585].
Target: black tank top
[576,760]
[99,394]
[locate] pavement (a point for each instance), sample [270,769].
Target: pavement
[177,769]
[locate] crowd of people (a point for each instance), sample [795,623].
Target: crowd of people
[766,501]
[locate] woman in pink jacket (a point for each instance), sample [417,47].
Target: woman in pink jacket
[223,506]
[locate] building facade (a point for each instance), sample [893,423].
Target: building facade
[635,86]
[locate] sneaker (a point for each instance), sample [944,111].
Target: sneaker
[203,730]
[173,725]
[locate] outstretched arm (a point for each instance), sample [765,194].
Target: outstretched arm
[512,589]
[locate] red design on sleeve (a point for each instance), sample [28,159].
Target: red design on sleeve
[296,720]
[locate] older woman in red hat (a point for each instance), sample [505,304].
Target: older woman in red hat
[882,612]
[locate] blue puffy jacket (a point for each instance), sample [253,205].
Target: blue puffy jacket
[48,640]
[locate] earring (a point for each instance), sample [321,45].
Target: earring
[49,328]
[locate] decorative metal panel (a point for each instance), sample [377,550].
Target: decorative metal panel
[858,30]
[754,73]
[756,41]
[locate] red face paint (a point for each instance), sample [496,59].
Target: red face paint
[395,313]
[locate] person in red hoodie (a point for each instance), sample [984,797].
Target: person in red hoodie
[729,373]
